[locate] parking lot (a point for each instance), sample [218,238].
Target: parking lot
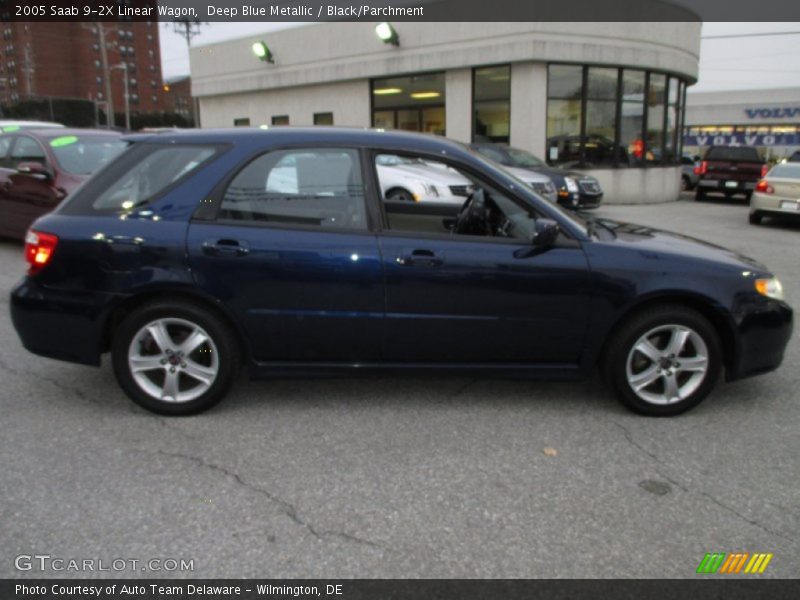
[407,477]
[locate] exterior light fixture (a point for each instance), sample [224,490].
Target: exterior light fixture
[261,50]
[387,34]
[387,91]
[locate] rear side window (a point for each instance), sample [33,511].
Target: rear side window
[137,177]
[304,187]
[740,153]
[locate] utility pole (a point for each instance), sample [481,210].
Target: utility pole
[124,67]
[106,75]
[188,28]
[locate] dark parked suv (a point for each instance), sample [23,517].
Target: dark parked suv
[195,253]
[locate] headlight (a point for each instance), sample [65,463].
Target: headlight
[771,288]
[572,185]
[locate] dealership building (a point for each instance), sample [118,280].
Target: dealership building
[768,119]
[607,98]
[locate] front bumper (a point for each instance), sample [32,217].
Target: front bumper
[764,330]
[59,324]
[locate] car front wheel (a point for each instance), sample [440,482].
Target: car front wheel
[664,361]
[174,358]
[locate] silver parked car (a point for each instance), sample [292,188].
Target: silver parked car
[777,194]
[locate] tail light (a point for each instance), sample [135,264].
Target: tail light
[765,188]
[764,170]
[702,169]
[39,250]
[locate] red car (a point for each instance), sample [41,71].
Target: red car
[40,167]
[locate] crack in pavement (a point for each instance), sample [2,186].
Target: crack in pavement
[59,384]
[634,443]
[286,507]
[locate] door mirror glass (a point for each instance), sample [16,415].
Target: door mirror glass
[34,169]
[546,233]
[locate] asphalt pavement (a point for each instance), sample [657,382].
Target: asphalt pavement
[430,477]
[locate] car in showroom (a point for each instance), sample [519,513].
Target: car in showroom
[574,190]
[40,167]
[777,194]
[177,260]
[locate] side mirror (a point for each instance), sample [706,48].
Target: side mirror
[546,234]
[35,169]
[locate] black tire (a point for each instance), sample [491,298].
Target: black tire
[178,313]
[399,195]
[699,195]
[755,218]
[686,184]
[620,350]
[748,196]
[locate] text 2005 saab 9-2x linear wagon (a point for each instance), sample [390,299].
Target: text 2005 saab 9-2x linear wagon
[195,253]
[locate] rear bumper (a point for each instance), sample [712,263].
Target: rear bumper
[721,185]
[57,324]
[765,328]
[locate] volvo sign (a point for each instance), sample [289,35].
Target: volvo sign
[781,112]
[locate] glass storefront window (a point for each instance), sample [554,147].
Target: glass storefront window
[412,102]
[673,118]
[601,117]
[564,100]
[491,104]
[656,105]
[632,115]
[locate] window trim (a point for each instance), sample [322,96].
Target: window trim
[384,229]
[214,207]
[110,171]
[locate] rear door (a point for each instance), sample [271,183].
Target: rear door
[292,255]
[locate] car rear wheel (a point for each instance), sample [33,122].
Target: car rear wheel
[664,361]
[700,195]
[755,218]
[174,358]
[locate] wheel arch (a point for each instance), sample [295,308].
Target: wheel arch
[720,320]
[150,296]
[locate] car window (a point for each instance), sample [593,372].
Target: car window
[309,187]
[27,150]
[5,145]
[425,197]
[142,174]
[789,170]
[83,155]
[741,153]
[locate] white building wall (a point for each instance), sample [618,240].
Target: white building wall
[529,106]
[348,101]
[458,104]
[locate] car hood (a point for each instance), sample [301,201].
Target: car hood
[527,174]
[430,175]
[557,172]
[657,242]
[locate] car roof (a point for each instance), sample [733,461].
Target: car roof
[306,135]
[31,124]
[52,132]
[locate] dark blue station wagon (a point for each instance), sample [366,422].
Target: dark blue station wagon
[195,253]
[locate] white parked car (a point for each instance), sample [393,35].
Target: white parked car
[777,194]
[413,180]
[541,184]
[9,125]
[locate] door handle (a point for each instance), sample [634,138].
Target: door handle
[420,258]
[225,247]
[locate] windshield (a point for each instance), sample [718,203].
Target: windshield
[83,155]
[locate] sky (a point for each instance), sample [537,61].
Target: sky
[736,63]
